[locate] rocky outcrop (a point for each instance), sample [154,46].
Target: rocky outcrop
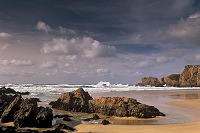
[111,106]
[25,116]
[26,113]
[151,81]
[190,76]
[171,80]
[123,107]
[4,90]
[76,101]
[44,117]
[5,100]
[8,114]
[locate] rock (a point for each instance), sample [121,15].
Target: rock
[110,106]
[10,129]
[63,126]
[9,112]
[95,117]
[25,116]
[66,118]
[151,81]
[190,76]
[5,90]
[5,100]
[54,131]
[105,122]
[62,116]
[44,117]
[123,107]
[76,101]
[171,80]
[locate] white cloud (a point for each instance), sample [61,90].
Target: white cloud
[17,62]
[103,70]
[5,35]
[63,30]
[85,47]
[49,64]
[14,74]
[42,26]
[186,31]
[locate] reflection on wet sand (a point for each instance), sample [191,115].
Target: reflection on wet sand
[188,96]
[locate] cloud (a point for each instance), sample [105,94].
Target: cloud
[49,64]
[101,70]
[63,30]
[4,46]
[186,31]
[15,74]
[85,47]
[5,35]
[42,26]
[17,62]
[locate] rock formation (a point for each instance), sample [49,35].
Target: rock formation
[81,101]
[152,81]
[171,80]
[8,114]
[76,101]
[190,76]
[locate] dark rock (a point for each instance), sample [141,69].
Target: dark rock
[76,101]
[25,116]
[63,126]
[8,113]
[95,117]
[54,131]
[5,100]
[44,117]
[5,90]
[10,129]
[105,122]
[62,116]
[66,118]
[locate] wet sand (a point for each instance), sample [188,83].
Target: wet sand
[182,109]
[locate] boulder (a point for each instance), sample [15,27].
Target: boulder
[150,81]
[25,116]
[63,126]
[95,117]
[44,117]
[105,122]
[76,101]
[171,80]
[9,112]
[110,106]
[190,76]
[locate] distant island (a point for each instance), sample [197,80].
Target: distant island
[190,77]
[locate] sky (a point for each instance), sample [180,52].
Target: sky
[87,41]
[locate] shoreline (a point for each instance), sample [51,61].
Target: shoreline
[188,127]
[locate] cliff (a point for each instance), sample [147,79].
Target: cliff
[190,76]
[171,80]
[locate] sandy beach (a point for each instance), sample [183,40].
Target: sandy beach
[184,101]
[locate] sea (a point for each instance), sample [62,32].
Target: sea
[155,96]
